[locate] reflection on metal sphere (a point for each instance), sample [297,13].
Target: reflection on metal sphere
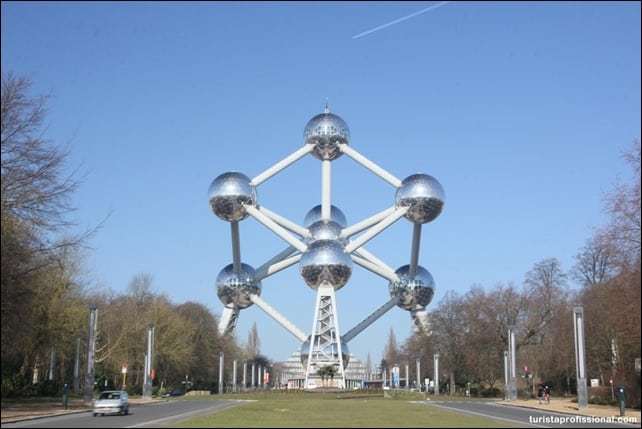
[413,294]
[424,195]
[227,194]
[345,352]
[325,230]
[234,290]
[325,261]
[326,131]
[314,215]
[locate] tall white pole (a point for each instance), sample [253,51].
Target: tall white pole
[236,246]
[418,369]
[512,364]
[244,375]
[506,376]
[253,375]
[580,356]
[91,353]
[436,374]
[407,377]
[414,254]
[234,376]
[221,361]
[326,189]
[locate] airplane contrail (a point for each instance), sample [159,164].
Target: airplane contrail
[397,21]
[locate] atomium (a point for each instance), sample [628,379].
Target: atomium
[412,293]
[424,196]
[325,261]
[227,194]
[326,131]
[325,247]
[234,289]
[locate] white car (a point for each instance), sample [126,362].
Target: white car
[112,402]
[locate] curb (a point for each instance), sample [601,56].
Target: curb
[42,416]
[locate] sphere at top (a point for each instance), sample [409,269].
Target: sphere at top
[413,293]
[314,215]
[234,289]
[325,261]
[227,194]
[326,131]
[325,230]
[345,353]
[424,196]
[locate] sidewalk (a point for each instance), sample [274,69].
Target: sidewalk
[563,405]
[19,411]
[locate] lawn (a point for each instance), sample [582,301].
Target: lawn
[332,410]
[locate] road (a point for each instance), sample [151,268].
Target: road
[517,416]
[150,415]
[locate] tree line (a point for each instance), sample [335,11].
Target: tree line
[45,293]
[469,330]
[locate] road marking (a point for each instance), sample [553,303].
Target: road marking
[521,423]
[187,414]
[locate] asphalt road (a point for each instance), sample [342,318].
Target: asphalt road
[518,416]
[151,415]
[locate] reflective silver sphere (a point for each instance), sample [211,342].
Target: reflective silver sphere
[424,195]
[314,215]
[345,353]
[234,290]
[326,131]
[325,230]
[325,261]
[413,294]
[227,194]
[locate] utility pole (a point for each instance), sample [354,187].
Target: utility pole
[580,357]
[436,372]
[77,368]
[149,362]
[512,364]
[234,376]
[244,375]
[221,361]
[91,352]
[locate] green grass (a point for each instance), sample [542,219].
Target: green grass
[356,409]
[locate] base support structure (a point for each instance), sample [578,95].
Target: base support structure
[325,348]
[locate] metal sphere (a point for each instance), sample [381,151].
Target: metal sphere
[325,261]
[325,230]
[424,195]
[234,289]
[413,293]
[326,131]
[227,194]
[314,215]
[345,353]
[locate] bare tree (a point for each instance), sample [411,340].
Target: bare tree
[253,346]
[596,262]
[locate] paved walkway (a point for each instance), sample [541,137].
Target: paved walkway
[520,416]
[568,406]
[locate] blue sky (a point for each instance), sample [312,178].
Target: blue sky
[520,110]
